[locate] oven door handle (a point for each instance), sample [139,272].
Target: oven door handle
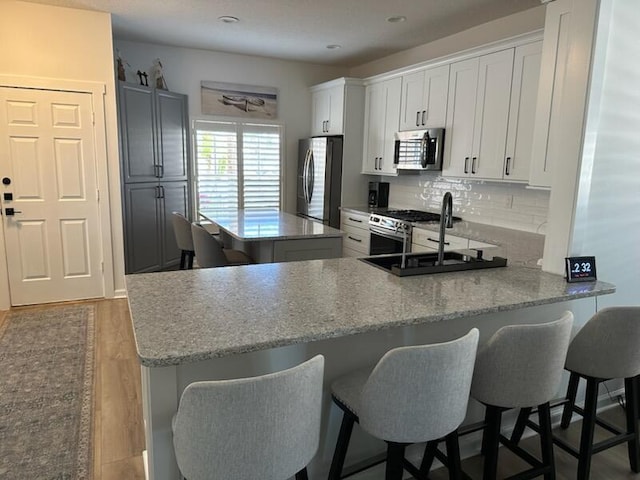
[386,233]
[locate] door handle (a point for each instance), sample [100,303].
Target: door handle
[424,112]
[10,211]
[473,165]
[466,164]
[507,170]
[418,118]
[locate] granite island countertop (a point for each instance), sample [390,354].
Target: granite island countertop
[518,247]
[193,315]
[263,225]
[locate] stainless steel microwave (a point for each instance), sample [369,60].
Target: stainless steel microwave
[419,149]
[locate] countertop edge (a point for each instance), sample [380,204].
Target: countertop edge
[153,362]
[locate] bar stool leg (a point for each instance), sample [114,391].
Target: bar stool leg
[546,439]
[588,427]
[340,453]
[190,263]
[395,460]
[521,424]
[183,259]
[572,390]
[491,442]
[302,474]
[631,394]
[453,456]
[428,457]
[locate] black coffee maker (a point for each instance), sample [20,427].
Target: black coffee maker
[378,194]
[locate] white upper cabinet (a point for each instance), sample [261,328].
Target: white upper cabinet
[424,99]
[555,51]
[477,116]
[522,112]
[327,110]
[382,111]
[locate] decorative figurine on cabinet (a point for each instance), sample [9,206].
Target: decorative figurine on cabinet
[160,81]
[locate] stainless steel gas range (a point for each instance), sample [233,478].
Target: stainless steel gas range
[391,229]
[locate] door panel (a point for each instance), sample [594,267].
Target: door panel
[53,240]
[172,135]
[143,220]
[175,199]
[137,133]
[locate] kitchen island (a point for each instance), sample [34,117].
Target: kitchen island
[250,320]
[273,236]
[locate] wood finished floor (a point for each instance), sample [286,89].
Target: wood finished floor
[118,426]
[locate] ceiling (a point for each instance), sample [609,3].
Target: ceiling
[297,30]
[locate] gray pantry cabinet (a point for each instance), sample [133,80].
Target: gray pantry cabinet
[154,150]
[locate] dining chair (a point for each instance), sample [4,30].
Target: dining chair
[210,252]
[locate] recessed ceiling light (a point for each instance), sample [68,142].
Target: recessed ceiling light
[334,47]
[228,19]
[397,19]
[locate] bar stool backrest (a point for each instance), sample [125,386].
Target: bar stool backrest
[419,393]
[182,231]
[264,427]
[521,365]
[208,249]
[608,346]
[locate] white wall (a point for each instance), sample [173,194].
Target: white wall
[69,45]
[185,68]
[500,29]
[607,218]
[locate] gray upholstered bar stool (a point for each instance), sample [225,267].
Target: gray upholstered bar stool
[520,367]
[184,240]
[210,252]
[607,347]
[414,394]
[265,427]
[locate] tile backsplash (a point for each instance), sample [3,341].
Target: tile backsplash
[509,205]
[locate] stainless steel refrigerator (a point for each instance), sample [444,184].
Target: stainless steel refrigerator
[320,179]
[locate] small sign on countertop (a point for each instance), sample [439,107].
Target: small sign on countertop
[580,269]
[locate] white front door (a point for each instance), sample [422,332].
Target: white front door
[48,175]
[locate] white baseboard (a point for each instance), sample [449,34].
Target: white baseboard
[120,293]
[145,463]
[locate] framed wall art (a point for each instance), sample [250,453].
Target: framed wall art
[236,100]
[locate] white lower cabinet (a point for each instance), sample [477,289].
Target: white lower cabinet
[356,240]
[427,241]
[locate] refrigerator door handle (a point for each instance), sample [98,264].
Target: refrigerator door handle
[305,176]
[311,175]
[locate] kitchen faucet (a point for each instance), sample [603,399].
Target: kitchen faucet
[446,221]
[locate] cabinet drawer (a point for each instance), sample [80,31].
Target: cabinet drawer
[429,239]
[355,220]
[349,252]
[356,239]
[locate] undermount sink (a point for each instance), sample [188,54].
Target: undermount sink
[426,263]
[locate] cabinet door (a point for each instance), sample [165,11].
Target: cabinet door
[374,128]
[554,63]
[463,81]
[436,90]
[175,198]
[335,125]
[172,133]
[391,98]
[319,112]
[522,112]
[136,109]
[492,114]
[143,222]
[413,103]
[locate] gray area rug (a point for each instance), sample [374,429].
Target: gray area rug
[46,393]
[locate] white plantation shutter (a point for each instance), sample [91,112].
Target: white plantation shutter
[238,165]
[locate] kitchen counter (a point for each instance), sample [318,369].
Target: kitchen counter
[268,225]
[272,236]
[233,322]
[518,247]
[188,316]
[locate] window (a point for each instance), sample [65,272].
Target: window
[238,165]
